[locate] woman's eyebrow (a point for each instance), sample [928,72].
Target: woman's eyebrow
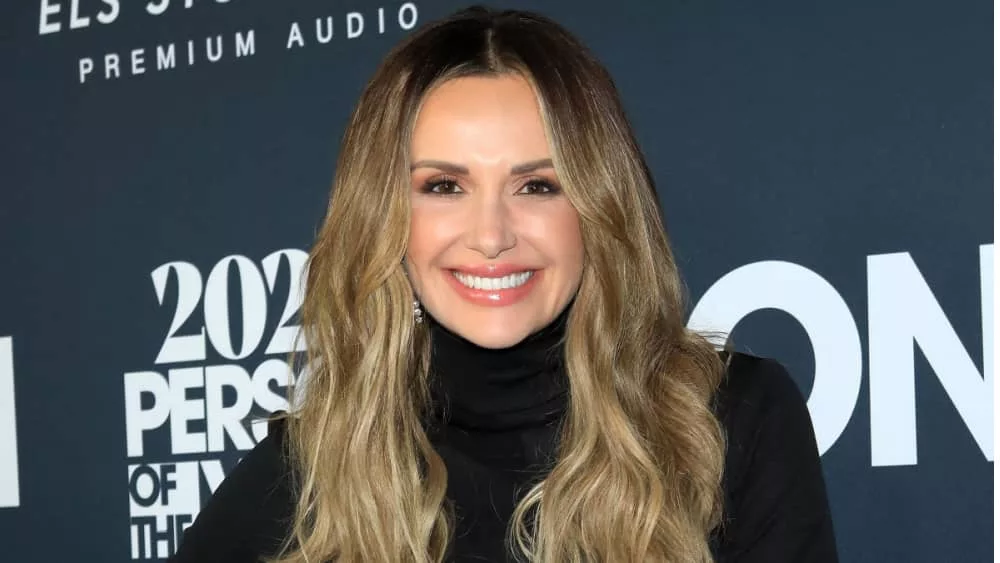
[531,166]
[453,168]
[449,167]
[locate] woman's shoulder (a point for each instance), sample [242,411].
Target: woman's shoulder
[755,386]
[762,411]
[249,514]
[776,508]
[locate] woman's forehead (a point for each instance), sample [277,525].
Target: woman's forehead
[492,117]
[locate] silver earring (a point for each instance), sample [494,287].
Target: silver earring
[418,314]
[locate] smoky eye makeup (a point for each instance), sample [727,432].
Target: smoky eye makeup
[439,185]
[540,187]
[446,185]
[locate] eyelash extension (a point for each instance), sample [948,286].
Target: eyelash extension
[430,185]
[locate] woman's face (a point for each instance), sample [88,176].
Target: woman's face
[495,250]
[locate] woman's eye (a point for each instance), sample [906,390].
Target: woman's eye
[451,187]
[538,187]
[443,187]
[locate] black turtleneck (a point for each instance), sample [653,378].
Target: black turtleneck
[495,422]
[484,389]
[496,427]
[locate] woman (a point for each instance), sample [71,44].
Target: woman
[499,366]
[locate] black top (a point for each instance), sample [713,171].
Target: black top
[495,423]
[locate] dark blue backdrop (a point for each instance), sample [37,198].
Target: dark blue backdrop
[827,163]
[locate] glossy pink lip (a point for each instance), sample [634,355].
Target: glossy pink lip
[494,297]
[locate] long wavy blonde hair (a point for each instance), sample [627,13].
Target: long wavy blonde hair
[639,465]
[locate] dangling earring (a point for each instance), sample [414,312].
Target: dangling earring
[418,314]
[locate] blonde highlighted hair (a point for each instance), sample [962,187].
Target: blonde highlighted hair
[639,465]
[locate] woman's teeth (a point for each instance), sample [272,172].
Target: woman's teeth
[505,282]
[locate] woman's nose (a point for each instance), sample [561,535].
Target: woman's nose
[490,227]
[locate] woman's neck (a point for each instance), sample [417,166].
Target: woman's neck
[478,388]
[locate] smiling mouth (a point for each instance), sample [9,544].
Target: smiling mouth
[509,281]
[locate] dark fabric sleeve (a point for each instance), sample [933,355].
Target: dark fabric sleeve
[776,507]
[249,513]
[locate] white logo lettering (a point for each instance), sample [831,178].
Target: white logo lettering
[821,311]
[902,312]
[9,485]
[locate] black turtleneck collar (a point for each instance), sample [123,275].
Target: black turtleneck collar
[480,388]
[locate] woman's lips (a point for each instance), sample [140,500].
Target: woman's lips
[494,297]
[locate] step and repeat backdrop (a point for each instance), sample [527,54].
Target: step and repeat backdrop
[825,170]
